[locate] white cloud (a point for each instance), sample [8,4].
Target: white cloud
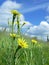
[47,18]
[5,9]
[37,7]
[44,23]
[41,30]
[11,5]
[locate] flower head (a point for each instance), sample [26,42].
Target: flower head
[22,43]
[15,12]
[12,35]
[34,41]
[24,24]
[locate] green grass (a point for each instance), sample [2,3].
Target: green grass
[34,55]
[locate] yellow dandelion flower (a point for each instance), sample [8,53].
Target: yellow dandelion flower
[15,12]
[12,35]
[34,41]
[24,23]
[22,43]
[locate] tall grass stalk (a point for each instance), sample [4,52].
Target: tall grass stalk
[18,25]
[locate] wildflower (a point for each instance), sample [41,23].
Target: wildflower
[22,43]
[15,12]
[12,35]
[24,24]
[34,41]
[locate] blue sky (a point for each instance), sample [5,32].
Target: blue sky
[34,12]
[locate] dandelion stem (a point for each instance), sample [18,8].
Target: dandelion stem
[15,53]
[18,25]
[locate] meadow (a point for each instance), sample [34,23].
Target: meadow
[20,50]
[37,54]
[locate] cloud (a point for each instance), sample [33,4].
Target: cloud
[5,9]
[41,30]
[37,7]
[47,18]
[11,5]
